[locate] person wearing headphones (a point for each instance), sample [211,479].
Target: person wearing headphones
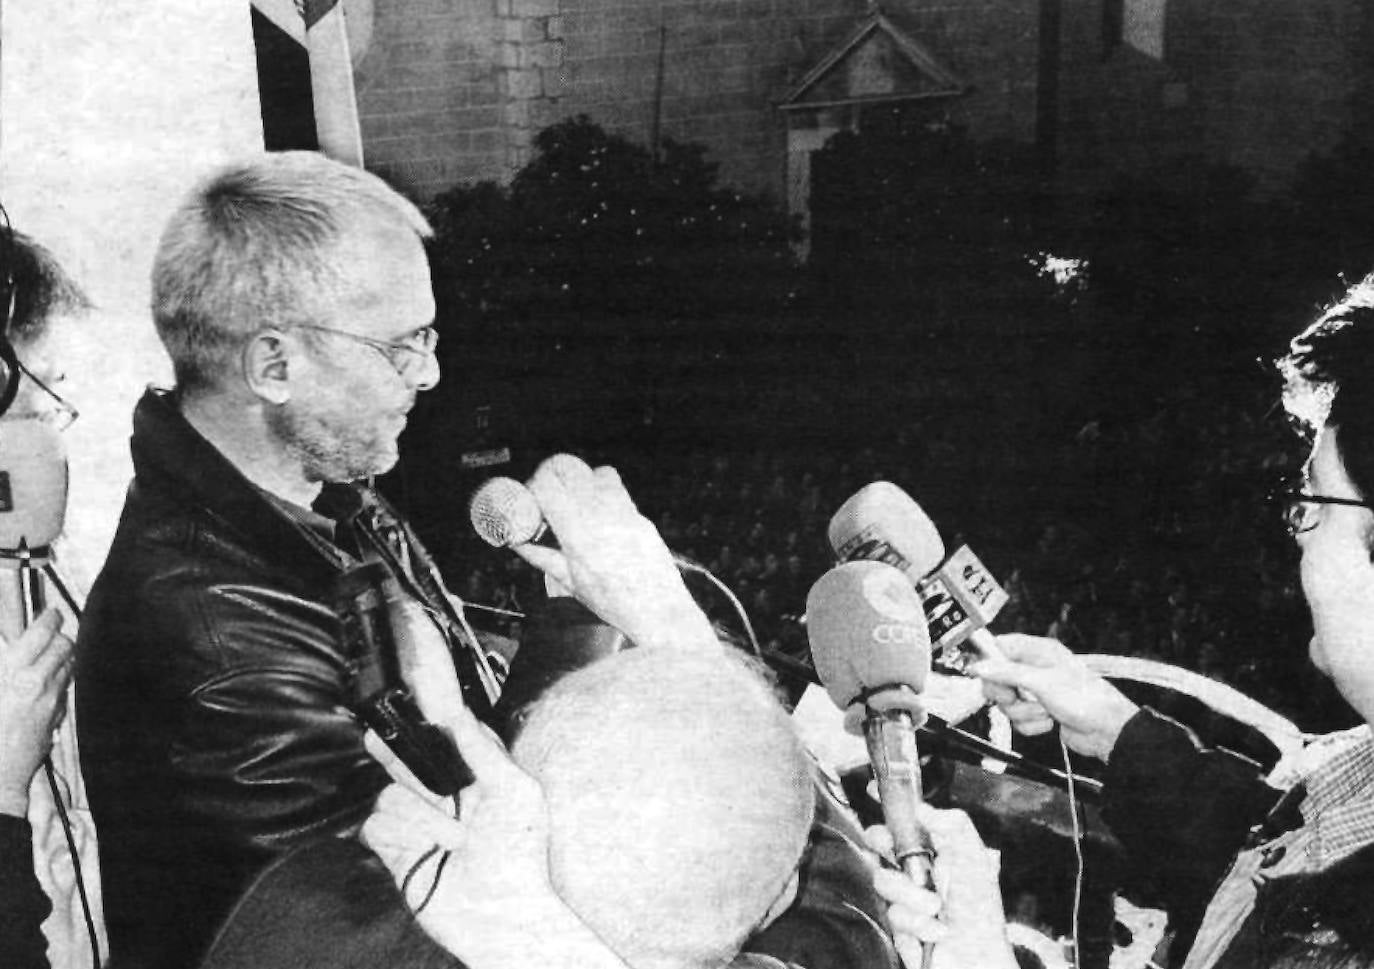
[48,918]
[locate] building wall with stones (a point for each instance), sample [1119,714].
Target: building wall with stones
[1258,84]
[455,90]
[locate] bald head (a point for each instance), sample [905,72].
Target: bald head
[679,798]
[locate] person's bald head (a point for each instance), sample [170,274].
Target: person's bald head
[679,797]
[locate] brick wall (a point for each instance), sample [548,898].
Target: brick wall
[430,94]
[725,64]
[454,90]
[1254,83]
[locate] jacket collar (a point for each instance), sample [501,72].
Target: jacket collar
[172,457]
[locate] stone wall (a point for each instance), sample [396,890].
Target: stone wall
[455,90]
[1254,83]
[430,95]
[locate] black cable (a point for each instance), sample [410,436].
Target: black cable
[76,861]
[50,570]
[8,358]
[434,885]
[1018,762]
[415,869]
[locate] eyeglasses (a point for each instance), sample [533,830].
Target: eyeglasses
[65,415]
[407,358]
[1299,509]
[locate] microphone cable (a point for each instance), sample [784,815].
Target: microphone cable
[70,835]
[687,565]
[1077,850]
[496,610]
[54,578]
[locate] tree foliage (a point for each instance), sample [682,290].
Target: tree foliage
[595,225]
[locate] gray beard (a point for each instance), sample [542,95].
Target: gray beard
[324,454]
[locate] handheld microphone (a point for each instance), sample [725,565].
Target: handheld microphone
[33,503]
[869,642]
[881,522]
[33,490]
[504,512]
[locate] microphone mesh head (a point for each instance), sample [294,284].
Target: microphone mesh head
[504,512]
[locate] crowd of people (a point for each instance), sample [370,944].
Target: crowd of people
[1156,539]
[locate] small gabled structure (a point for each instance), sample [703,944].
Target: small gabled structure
[878,63]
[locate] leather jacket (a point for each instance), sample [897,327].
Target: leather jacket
[214,733]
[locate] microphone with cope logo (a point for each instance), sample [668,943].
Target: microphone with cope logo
[869,642]
[33,504]
[882,523]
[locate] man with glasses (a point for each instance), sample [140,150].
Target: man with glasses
[293,296]
[1257,871]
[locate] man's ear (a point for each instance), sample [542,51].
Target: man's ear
[267,363]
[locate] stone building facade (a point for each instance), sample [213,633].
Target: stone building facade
[455,90]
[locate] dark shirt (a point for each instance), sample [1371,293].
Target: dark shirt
[23,906]
[1185,810]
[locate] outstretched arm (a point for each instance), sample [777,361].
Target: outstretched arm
[1179,807]
[490,899]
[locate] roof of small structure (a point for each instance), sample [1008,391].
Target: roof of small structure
[877,62]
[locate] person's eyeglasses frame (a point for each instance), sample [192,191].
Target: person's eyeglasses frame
[390,351]
[66,414]
[1292,502]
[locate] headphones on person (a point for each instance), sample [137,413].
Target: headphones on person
[9,359]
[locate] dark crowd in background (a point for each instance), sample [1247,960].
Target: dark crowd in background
[1080,389]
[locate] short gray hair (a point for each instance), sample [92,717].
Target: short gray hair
[251,247]
[680,800]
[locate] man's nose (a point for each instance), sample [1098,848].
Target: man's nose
[426,376]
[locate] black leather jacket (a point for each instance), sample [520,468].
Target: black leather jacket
[213,735]
[213,729]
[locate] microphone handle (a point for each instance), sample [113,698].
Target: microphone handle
[891,739]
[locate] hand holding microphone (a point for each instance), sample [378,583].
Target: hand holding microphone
[1090,712]
[965,921]
[34,673]
[871,650]
[609,556]
[1036,682]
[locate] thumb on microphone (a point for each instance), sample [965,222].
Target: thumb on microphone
[550,561]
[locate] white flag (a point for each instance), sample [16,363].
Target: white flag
[320,26]
[1142,26]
